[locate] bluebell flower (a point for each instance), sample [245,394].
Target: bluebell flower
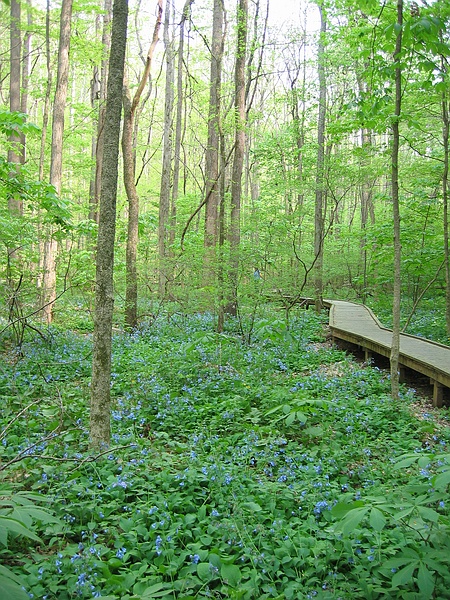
[121,552]
[158,543]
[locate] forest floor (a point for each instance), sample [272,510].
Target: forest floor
[279,468]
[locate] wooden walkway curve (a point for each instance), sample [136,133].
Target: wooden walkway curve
[357,325]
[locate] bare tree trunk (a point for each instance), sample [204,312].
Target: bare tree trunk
[100,426]
[96,85]
[239,152]
[212,151]
[221,265]
[319,210]
[26,65]
[396,312]
[445,188]
[48,90]
[16,149]
[178,122]
[166,174]
[59,104]
[99,141]
[129,170]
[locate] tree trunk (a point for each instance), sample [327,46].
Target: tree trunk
[16,149]
[96,85]
[129,169]
[166,175]
[99,141]
[26,66]
[48,90]
[319,210]
[104,292]
[212,151]
[178,122]
[59,104]
[239,152]
[396,313]
[445,136]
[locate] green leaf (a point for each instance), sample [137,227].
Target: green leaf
[301,416]
[253,506]
[10,590]
[340,509]
[428,514]
[231,574]
[404,576]
[204,571]
[377,519]
[403,513]
[352,519]
[425,581]
[442,480]
[157,590]
[290,418]
[8,525]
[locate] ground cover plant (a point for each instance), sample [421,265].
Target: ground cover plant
[279,468]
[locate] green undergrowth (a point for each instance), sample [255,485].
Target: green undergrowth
[275,469]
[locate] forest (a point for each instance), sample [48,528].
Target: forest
[175,178]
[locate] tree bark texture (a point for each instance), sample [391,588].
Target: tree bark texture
[15,150]
[212,151]
[396,313]
[445,189]
[104,292]
[59,105]
[318,209]
[178,121]
[129,170]
[48,90]
[239,152]
[98,145]
[166,175]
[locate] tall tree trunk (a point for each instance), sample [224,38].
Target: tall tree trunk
[97,145]
[16,149]
[221,240]
[48,90]
[396,313]
[129,170]
[178,121]
[100,426]
[367,210]
[166,175]
[239,152]
[26,66]
[59,105]
[96,84]
[212,151]
[445,188]
[319,209]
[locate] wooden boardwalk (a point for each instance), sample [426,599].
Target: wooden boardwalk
[357,325]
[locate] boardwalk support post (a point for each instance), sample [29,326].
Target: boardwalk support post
[438,393]
[402,373]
